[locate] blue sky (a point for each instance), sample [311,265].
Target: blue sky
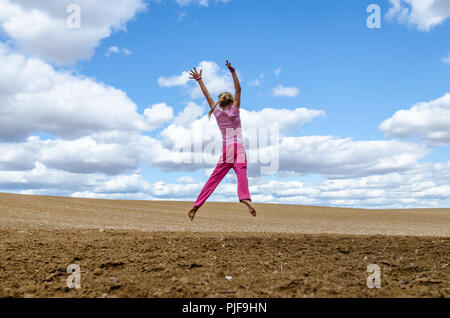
[358,77]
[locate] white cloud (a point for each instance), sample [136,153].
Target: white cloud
[86,155]
[175,80]
[343,157]
[446,59]
[203,3]
[423,14]
[36,98]
[277,71]
[284,91]
[258,81]
[325,155]
[14,157]
[185,132]
[39,28]
[109,153]
[115,50]
[158,114]
[191,133]
[105,165]
[127,51]
[428,120]
[186,180]
[284,119]
[423,187]
[124,184]
[217,79]
[48,181]
[190,113]
[98,164]
[181,16]
[41,177]
[93,128]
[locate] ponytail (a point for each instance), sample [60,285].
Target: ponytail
[212,110]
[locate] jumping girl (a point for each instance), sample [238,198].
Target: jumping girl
[233,151]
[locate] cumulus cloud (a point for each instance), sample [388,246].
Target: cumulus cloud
[186,180]
[158,114]
[343,157]
[428,120]
[36,98]
[39,28]
[423,187]
[112,49]
[16,158]
[109,153]
[174,80]
[191,135]
[283,119]
[284,91]
[333,157]
[48,181]
[124,184]
[190,114]
[217,80]
[423,14]
[45,179]
[106,165]
[420,189]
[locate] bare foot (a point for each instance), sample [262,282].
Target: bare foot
[192,212]
[250,207]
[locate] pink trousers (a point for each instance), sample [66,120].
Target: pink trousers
[233,156]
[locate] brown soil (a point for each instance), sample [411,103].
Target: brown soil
[150,249]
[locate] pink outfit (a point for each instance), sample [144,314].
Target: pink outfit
[229,122]
[233,156]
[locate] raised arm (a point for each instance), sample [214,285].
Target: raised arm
[237,86]
[198,77]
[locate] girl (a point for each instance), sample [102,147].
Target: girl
[233,153]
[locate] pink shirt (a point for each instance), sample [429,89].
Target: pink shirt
[229,122]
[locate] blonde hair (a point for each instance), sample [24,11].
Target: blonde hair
[224,100]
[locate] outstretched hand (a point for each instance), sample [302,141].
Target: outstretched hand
[231,68]
[195,75]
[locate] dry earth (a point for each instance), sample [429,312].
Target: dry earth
[150,249]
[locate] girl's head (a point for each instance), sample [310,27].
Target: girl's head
[226,99]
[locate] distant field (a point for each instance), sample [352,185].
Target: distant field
[40,212]
[151,249]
